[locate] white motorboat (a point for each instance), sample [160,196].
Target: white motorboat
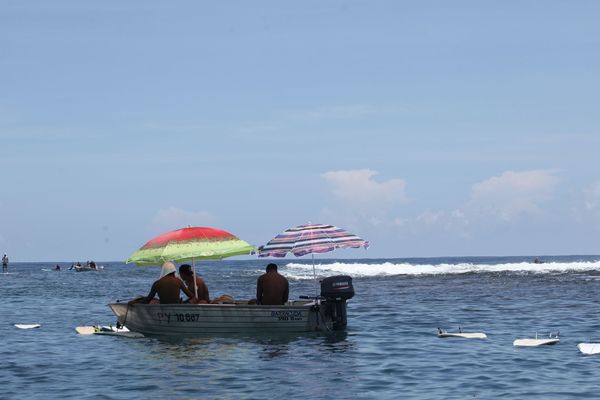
[325,313]
[78,268]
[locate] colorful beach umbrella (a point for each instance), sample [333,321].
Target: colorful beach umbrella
[189,244]
[310,238]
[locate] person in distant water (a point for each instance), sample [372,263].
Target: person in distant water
[5,263]
[57,268]
[168,287]
[186,273]
[537,261]
[272,288]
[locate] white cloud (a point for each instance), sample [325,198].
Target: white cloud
[175,218]
[512,194]
[503,198]
[359,189]
[438,220]
[429,218]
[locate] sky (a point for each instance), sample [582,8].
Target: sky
[430,128]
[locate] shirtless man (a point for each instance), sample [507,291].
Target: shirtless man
[272,288]
[168,287]
[188,277]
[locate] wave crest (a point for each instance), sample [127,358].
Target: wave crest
[304,271]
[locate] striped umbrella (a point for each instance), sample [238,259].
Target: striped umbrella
[310,239]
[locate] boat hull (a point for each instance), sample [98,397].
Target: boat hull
[88,269]
[200,319]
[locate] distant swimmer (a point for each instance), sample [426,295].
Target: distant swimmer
[5,263]
[57,268]
[537,261]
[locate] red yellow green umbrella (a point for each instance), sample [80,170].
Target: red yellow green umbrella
[189,244]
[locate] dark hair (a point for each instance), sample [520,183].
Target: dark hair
[185,269]
[271,267]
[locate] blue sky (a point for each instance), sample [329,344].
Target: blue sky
[429,128]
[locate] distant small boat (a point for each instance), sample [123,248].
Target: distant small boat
[85,269]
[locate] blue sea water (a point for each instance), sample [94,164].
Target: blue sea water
[390,349]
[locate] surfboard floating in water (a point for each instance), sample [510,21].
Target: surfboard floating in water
[530,342]
[27,326]
[589,348]
[460,334]
[107,330]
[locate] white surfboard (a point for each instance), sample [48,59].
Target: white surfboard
[85,330]
[589,348]
[107,330]
[27,326]
[535,342]
[464,335]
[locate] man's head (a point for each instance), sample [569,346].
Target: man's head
[185,270]
[168,268]
[272,267]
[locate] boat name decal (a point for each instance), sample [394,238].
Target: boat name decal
[287,315]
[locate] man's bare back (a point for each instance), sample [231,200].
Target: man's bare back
[168,289]
[272,288]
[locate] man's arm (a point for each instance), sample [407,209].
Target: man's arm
[259,291]
[187,291]
[286,292]
[151,294]
[204,290]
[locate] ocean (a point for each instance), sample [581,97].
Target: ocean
[390,349]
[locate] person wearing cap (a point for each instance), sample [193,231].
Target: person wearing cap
[272,288]
[168,287]
[186,273]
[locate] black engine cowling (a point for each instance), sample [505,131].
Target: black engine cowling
[336,290]
[337,287]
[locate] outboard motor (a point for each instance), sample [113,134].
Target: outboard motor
[336,290]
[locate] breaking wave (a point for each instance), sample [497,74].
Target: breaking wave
[305,271]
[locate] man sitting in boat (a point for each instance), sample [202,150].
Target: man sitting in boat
[272,288]
[186,273]
[168,287]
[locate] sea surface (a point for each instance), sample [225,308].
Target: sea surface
[389,351]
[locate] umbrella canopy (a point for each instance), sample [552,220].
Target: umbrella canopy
[190,244]
[310,238]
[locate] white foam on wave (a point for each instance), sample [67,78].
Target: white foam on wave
[305,271]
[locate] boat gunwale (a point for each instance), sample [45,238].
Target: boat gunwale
[225,305]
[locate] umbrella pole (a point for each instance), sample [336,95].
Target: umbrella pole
[314,273]
[195,286]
